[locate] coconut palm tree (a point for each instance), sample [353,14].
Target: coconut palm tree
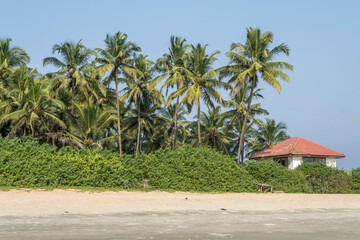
[118,53]
[202,81]
[215,129]
[11,57]
[174,116]
[174,60]
[140,82]
[269,134]
[153,124]
[253,61]
[75,59]
[236,129]
[88,127]
[238,111]
[36,108]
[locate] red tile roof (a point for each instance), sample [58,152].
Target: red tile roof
[297,146]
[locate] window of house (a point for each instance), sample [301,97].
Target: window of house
[308,160]
[282,161]
[314,160]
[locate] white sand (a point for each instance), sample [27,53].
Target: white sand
[43,203]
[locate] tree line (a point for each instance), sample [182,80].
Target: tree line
[117,98]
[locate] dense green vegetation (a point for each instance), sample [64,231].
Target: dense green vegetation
[113,97]
[24,163]
[111,118]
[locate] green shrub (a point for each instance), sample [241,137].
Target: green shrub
[282,178]
[324,179]
[196,169]
[355,174]
[26,163]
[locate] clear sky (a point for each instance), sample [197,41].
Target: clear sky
[322,101]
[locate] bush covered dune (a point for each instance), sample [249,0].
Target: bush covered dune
[24,163]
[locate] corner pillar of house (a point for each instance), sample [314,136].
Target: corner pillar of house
[294,161]
[331,162]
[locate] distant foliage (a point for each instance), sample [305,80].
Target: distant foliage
[355,174]
[324,179]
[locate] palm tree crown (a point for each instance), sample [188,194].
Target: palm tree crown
[11,57]
[75,60]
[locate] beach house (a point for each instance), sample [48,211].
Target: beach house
[295,151]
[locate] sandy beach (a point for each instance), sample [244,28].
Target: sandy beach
[43,203]
[72,214]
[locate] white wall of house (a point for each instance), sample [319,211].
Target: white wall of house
[294,161]
[331,161]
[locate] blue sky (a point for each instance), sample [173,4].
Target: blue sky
[321,102]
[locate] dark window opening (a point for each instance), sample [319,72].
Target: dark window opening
[282,161]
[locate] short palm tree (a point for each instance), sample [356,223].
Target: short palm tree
[118,53]
[11,57]
[215,129]
[202,81]
[90,124]
[269,134]
[36,109]
[254,59]
[175,118]
[75,59]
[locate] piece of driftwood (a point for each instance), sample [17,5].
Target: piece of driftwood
[265,188]
[278,191]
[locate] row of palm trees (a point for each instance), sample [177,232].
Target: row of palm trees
[116,98]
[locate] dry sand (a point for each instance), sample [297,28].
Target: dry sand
[41,203]
[61,214]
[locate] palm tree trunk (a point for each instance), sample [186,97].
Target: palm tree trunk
[242,152]
[175,121]
[118,111]
[246,115]
[198,122]
[239,151]
[72,95]
[139,127]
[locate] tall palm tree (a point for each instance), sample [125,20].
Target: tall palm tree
[269,134]
[75,59]
[11,57]
[118,53]
[254,60]
[139,80]
[202,81]
[173,60]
